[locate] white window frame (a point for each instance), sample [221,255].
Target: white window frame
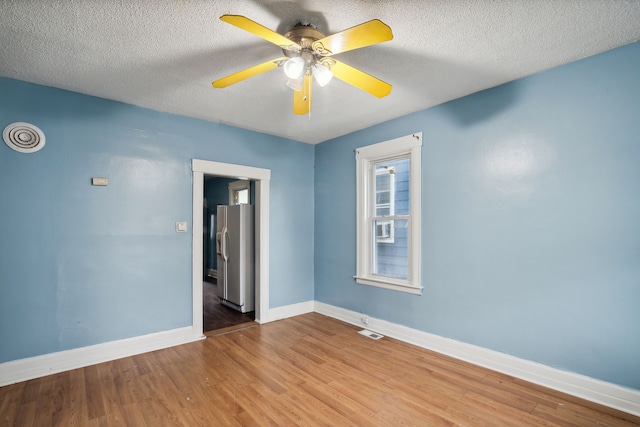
[237,186]
[366,157]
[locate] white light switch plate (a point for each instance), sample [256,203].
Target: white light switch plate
[181,226]
[100,181]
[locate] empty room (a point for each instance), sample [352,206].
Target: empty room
[368,213]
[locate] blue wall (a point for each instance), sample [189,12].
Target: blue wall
[82,265]
[531,219]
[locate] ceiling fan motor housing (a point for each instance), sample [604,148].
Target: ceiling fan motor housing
[305,36]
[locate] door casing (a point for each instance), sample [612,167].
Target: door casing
[262,178]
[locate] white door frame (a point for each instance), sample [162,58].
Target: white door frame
[262,178]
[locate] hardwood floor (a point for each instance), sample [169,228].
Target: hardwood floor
[217,317]
[308,370]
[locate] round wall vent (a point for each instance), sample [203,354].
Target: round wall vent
[23,137]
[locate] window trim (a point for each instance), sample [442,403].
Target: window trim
[411,146]
[237,186]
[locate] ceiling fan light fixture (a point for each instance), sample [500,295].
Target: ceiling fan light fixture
[322,74]
[307,52]
[294,67]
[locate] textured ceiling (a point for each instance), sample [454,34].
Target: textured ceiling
[164,55]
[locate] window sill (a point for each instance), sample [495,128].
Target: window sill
[389,283]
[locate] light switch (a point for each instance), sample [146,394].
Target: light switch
[181,226]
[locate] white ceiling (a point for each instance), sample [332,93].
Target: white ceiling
[164,55]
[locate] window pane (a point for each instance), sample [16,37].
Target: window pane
[383,211]
[383,198]
[391,250]
[392,185]
[382,180]
[241,196]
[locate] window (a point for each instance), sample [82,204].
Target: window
[239,192]
[388,214]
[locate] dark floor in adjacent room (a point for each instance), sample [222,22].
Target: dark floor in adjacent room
[218,317]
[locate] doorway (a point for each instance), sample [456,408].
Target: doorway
[225,219]
[261,177]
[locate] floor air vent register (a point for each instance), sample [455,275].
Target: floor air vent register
[370,334]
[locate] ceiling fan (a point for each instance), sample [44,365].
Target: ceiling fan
[308,55]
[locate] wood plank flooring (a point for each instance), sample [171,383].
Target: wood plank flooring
[309,370]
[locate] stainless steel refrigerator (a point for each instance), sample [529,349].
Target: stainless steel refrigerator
[235,250]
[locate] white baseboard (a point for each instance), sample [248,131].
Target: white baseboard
[39,366]
[292,310]
[601,392]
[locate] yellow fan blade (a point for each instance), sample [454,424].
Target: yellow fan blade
[360,79]
[302,98]
[260,31]
[371,32]
[249,72]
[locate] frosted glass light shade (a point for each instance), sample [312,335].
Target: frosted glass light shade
[322,74]
[294,67]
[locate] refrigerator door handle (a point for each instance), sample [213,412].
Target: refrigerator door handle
[219,243]
[226,244]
